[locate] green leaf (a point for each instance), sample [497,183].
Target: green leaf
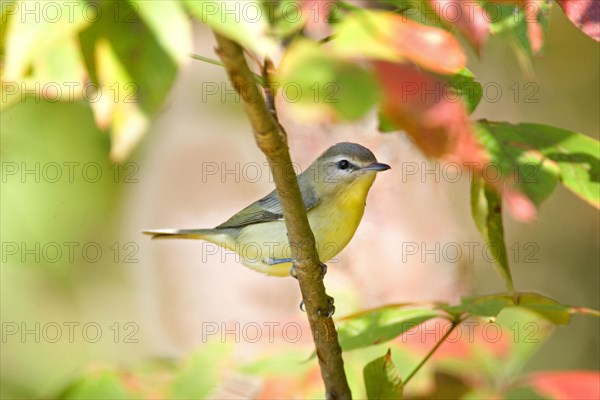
[523,393]
[135,66]
[509,20]
[481,306]
[286,17]
[170,25]
[199,374]
[385,124]
[34,33]
[535,157]
[545,307]
[58,74]
[379,325]
[243,21]
[43,57]
[319,85]
[98,385]
[405,357]
[486,207]
[137,48]
[382,380]
[282,363]
[463,84]
[490,306]
[122,113]
[512,22]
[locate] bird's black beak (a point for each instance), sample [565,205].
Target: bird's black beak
[377,167]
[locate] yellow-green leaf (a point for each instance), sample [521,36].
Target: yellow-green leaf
[382,380]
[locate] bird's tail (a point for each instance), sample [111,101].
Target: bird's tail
[205,234]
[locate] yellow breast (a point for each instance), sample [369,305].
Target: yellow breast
[333,221]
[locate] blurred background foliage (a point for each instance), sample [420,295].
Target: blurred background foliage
[126,336]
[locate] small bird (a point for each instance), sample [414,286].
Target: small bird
[334,190]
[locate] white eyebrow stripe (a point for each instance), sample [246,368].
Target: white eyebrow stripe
[341,157]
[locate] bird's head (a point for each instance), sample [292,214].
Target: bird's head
[342,169]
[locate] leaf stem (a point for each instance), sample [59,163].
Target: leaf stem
[433,350]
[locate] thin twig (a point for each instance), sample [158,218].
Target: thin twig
[212,61]
[207,59]
[433,350]
[271,139]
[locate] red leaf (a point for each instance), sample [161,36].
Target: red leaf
[585,14]
[391,37]
[422,105]
[430,47]
[535,33]
[468,16]
[565,385]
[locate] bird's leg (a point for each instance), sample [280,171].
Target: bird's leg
[294,274]
[275,261]
[323,269]
[330,311]
[323,266]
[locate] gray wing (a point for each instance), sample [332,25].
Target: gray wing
[267,209]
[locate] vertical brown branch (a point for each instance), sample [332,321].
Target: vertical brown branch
[272,141]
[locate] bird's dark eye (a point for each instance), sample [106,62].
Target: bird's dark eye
[343,164]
